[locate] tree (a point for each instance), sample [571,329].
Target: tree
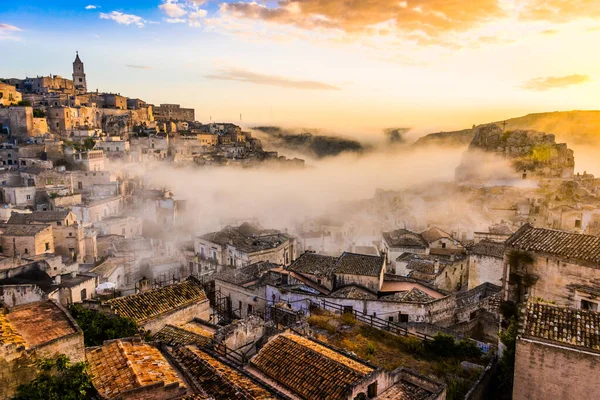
[58,380]
[24,103]
[88,143]
[98,326]
[37,113]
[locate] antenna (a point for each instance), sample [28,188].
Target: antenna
[240,117]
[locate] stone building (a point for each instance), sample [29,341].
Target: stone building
[31,332]
[400,241]
[557,354]
[111,100]
[9,95]
[486,263]
[166,112]
[26,240]
[244,245]
[155,308]
[92,160]
[128,369]
[306,368]
[564,267]
[79,81]
[92,211]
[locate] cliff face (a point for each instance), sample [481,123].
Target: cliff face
[573,127]
[529,153]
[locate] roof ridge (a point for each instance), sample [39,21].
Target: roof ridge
[128,362]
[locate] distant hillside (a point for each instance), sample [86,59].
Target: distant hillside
[573,127]
[311,144]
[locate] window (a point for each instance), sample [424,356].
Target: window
[58,223]
[443,245]
[240,305]
[26,251]
[70,233]
[1,249]
[577,223]
[28,197]
[372,390]
[403,317]
[249,309]
[318,281]
[47,245]
[83,294]
[391,319]
[589,305]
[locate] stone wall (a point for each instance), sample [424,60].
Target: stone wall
[18,119]
[484,269]
[179,316]
[546,371]
[16,295]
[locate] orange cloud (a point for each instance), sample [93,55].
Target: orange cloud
[560,10]
[555,82]
[240,75]
[432,17]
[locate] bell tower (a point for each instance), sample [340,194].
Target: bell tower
[79,76]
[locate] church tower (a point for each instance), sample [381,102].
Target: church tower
[79,76]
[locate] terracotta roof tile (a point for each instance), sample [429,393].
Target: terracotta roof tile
[217,379]
[180,336]
[566,244]
[8,334]
[488,248]
[40,323]
[146,305]
[309,369]
[359,264]
[570,326]
[313,264]
[120,366]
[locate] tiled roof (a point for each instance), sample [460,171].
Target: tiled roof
[579,328]
[41,322]
[217,379]
[354,292]
[359,264]
[8,334]
[309,369]
[404,390]
[414,295]
[38,216]
[120,366]
[179,336]
[433,234]
[488,248]
[404,238]
[313,264]
[239,276]
[146,305]
[247,239]
[566,244]
[21,230]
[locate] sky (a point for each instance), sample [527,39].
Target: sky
[342,65]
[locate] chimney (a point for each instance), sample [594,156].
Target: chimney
[436,266]
[73,274]
[57,279]
[144,284]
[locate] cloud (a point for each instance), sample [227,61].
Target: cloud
[173,9]
[550,32]
[431,17]
[183,11]
[138,66]
[240,75]
[560,11]
[7,31]
[124,19]
[555,82]
[91,7]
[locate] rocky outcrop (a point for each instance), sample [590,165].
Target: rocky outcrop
[529,153]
